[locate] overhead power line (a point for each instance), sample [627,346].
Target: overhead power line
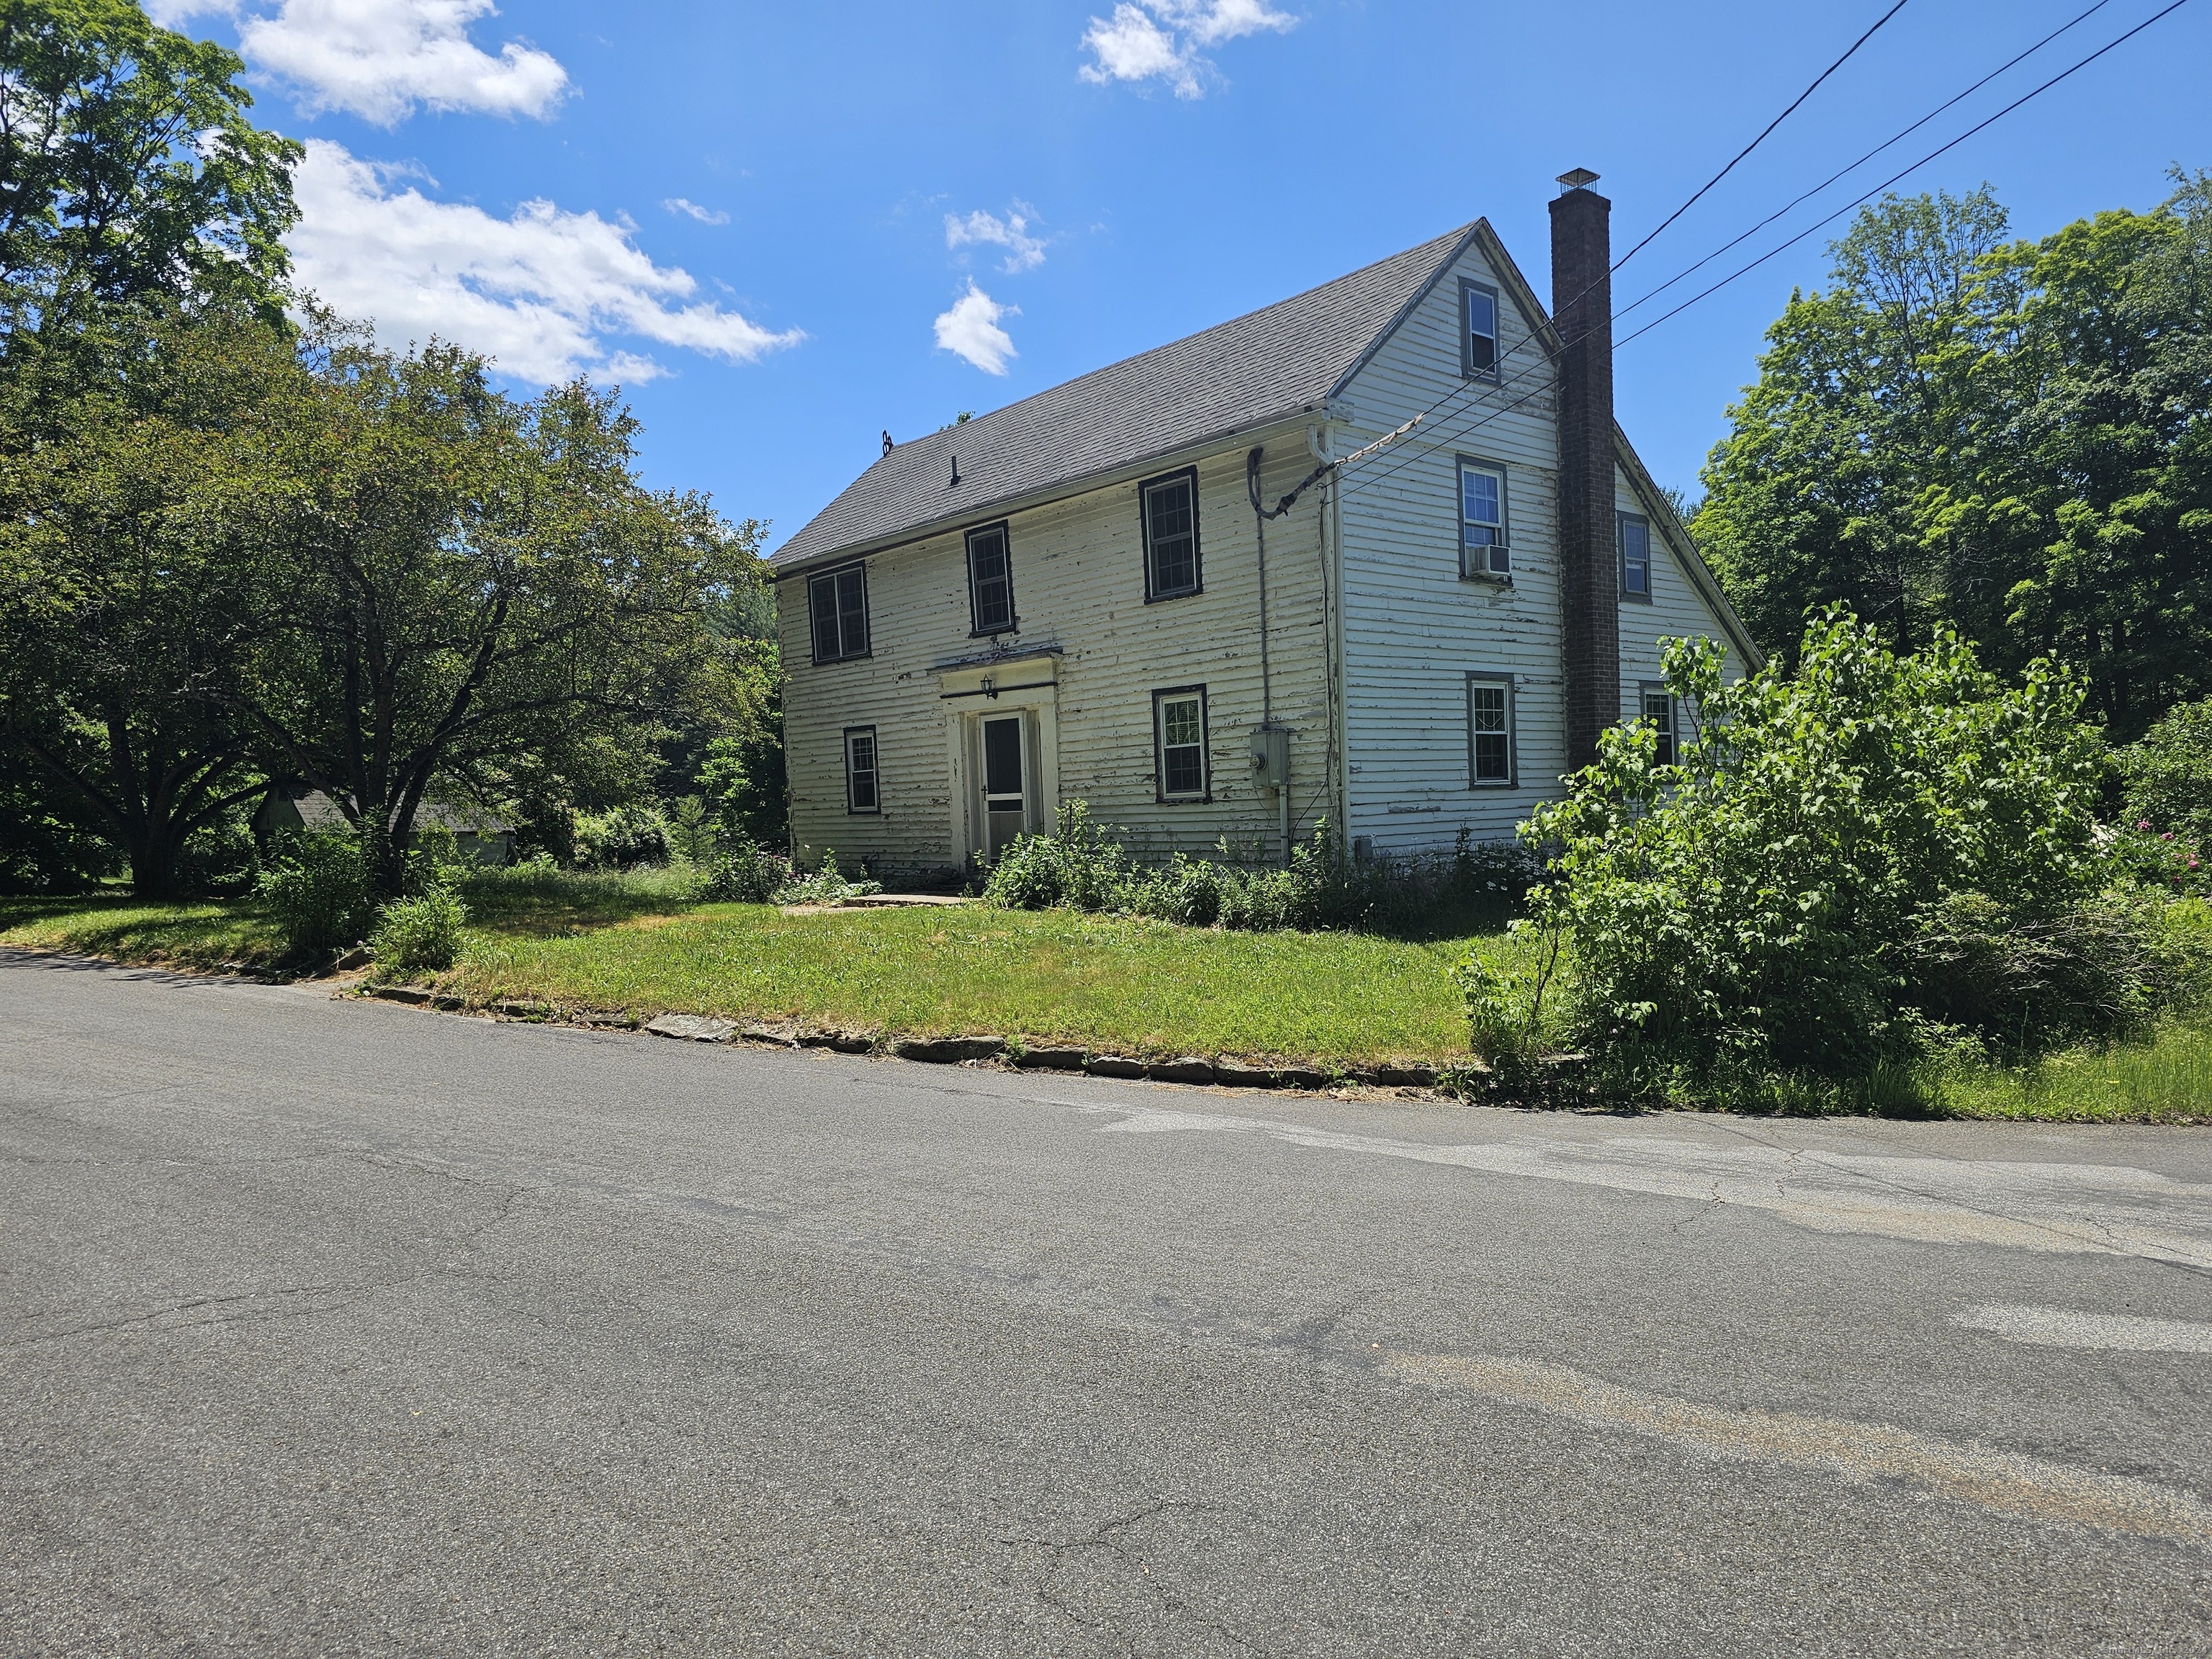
[1896,137]
[1460,433]
[1763,135]
[1940,149]
[1762,139]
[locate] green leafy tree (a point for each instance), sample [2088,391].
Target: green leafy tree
[141,219]
[2090,500]
[1812,497]
[742,779]
[450,584]
[2011,441]
[127,167]
[122,605]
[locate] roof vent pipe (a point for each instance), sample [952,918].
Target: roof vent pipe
[1590,587]
[956,472]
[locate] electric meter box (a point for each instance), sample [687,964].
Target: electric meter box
[1271,757]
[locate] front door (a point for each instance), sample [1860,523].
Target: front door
[1005,798]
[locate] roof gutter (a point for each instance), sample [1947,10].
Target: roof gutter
[1289,421]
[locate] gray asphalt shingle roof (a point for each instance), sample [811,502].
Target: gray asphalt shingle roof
[1275,361]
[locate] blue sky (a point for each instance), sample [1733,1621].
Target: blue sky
[783,230]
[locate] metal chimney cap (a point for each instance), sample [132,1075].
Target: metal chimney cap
[1580,178]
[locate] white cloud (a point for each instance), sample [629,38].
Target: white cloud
[1023,251]
[1211,20]
[379,60]
[692,210]
[971,330]
[541,291]
[1161,39]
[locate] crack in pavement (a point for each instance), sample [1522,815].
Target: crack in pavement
[1105,1536]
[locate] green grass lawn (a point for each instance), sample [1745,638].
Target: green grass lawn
[2168,1076]
[195,935]
[1107,982]
[633,945]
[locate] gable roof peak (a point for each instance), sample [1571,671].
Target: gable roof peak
[1267,365]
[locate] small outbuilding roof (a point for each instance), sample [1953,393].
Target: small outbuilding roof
[1267,365]
[318,812]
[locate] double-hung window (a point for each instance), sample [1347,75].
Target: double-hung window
[1478,330]
[990,580]
[1179,734]
[1659,709]
[1635,538]
[862,793]
[837,601]
[1482,555]
[1489,732]
[1170,516]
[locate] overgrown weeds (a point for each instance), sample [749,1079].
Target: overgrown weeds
[1856,880]
[745,872]
[1081,865]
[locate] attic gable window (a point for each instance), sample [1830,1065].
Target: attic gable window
[1635,538]
[1478,330]
[837,604]
[1484,555]
[1170,526]
[990,580]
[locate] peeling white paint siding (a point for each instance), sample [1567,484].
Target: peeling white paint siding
[1079,584]
[1413,629]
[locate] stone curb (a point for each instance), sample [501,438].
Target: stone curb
[1188,1069]
[692,1028]
[949,1051]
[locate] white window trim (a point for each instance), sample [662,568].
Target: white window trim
[1461,465]
[1512,778]
[1204,791]
[1468,370]
[875,772]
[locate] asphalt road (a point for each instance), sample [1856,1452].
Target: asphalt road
[337,1328]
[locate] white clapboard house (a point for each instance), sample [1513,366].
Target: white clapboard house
[1082,595]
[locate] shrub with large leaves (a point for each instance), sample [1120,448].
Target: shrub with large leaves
[1835,847]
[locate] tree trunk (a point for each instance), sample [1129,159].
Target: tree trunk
[154,849]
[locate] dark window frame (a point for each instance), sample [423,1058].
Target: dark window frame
[1154,595]
[1620,523]
[1469,369]
[1512,779]
[1012,624]
[1160,698]
[875,771]
[814,581]
[1460,464]
[1670,739]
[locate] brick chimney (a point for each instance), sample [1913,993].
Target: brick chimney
[1590,579]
